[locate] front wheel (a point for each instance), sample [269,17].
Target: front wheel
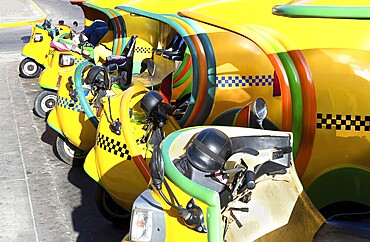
[44,102]
[69,153]
[28,68]
[111,210]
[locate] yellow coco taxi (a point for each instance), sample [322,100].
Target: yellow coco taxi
[120,155]
[70,54]
[317,52]
[37,51]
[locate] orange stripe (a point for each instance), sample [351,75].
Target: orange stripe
[203,80]
[142,166]
[309,111]
[128,132]
[243,117]
[184,71]
[118,34]
[285,92]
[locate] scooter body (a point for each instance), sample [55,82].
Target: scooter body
[115,157]
[37,51]
[277,209]
[81,131]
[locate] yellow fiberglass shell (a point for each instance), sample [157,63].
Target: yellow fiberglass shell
[71,119]
[147,29]
[334,107]
[115,40]
[41,51]
[49,77]
[282,207]
[305,33]
[113,162]
[243,73]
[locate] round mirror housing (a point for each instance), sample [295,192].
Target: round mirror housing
[151,67]
[260,110]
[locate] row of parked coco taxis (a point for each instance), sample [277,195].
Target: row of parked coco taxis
[215,120]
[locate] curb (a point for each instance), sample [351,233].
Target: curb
[22,23]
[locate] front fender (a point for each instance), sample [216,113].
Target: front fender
[48,79]
[53,122]
[90,166]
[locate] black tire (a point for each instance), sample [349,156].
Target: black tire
[69,153]
[28,68]
[44,102]
[111,210]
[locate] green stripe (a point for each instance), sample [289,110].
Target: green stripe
[340,12]
[208,196]
[294,84]
[183,64]
[184,78]
[54,128]
[343,184]
[189,43]
[81,96]
[297,100]
[211,70]
[186,91]
[48,87]
[123,27]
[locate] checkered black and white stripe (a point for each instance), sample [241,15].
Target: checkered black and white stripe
[68,103]
[343,122]
[145,50]
[244,81]
[113,146]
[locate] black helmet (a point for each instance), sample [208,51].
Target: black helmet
[93,74]
[209,150]
[150,101]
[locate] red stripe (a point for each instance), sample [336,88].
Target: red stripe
[203,79]
[309,112]
[285,92]
[142,166]
[118,34]
[184,71]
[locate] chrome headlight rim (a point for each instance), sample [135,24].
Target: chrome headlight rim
[38,37]
[141,228]
[66,60]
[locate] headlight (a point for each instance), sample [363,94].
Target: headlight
[141,225]
[66,60]
[37,37]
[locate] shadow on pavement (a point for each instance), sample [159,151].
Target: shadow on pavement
[86,219]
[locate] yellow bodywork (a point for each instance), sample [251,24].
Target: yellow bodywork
[49,77]
[112,162]
[279,209]
[335,53]
[41,51]
[68,118]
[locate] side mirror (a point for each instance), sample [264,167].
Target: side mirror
[260,110]
[151,67]
[75,23]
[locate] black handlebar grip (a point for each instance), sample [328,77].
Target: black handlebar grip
[250,177]
[285,149]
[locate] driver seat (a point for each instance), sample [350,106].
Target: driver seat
[125,61]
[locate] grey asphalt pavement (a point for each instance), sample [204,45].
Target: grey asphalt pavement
[41,198]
